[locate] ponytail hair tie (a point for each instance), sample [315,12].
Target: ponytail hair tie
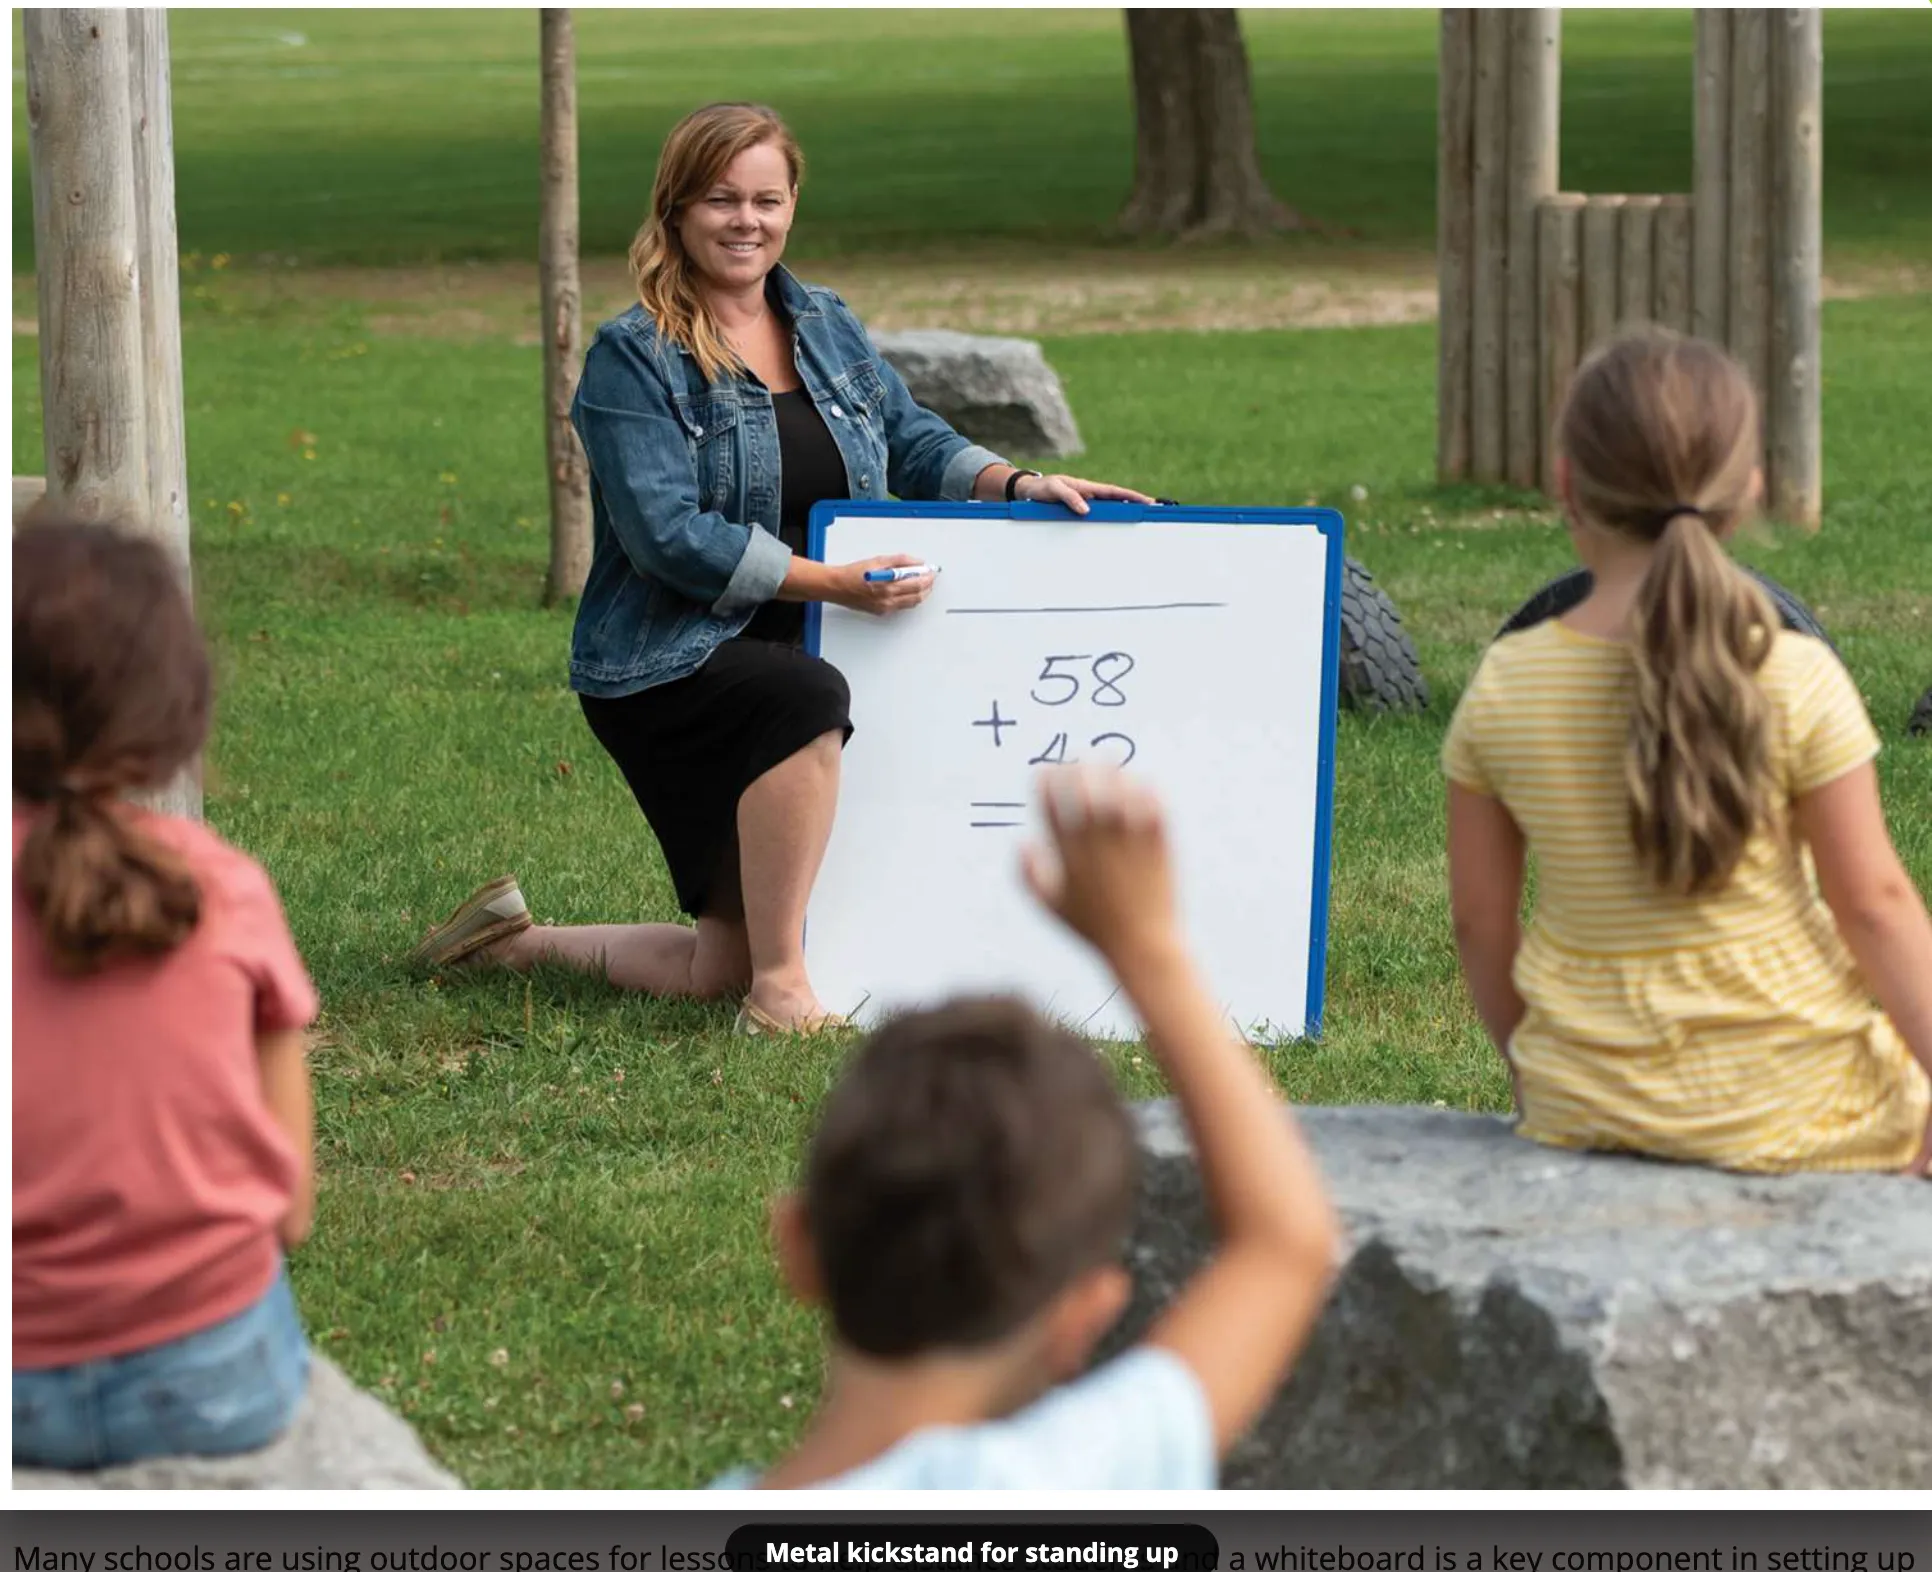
[71,793]
[1677,510]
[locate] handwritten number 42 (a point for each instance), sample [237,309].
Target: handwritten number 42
[1107,670]
[1055,752]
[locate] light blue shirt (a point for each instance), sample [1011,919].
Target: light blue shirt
[1139,1422]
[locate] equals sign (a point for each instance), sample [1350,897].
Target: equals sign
[998,824]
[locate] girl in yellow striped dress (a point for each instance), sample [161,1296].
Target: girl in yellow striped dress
[1727,963]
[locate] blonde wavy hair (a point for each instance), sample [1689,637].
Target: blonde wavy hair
[696,154]
[1661,434]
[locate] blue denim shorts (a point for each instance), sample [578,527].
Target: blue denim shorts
[231,1387]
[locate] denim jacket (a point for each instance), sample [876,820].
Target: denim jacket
[684,483]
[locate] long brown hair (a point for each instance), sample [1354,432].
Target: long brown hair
[1661,434]
[696,154]
[111,692]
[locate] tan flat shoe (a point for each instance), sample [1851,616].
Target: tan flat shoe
[754,1022]
[493,912]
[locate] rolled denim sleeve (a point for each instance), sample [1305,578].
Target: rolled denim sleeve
[926,460]
[641,459]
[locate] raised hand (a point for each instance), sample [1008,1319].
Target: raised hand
[1107,874]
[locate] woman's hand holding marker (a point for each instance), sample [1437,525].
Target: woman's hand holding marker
[880,586]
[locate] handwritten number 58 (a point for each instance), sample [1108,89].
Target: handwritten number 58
[1107,671]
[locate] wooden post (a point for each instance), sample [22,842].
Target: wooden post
[1455,133]
[1636,259]
[166,513]
[1792,408]
[1601,249]
[562,310]
[102,148]
[1489,300]
[1559,260]
[1673,248]
[1534,71]
[153,128]
[1750,247]
[86,246]
[1711,178]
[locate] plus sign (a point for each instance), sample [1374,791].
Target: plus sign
[995,722]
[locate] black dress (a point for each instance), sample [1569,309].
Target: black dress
[689,748]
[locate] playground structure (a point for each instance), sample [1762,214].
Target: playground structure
[1532,278]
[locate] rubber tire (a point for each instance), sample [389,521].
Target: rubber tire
[1569,589]
[1380,670]
[1920,725]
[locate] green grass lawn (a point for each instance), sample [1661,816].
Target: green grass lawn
[542,1209]
[384,136]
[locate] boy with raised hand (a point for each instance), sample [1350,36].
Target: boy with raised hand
[968,1193]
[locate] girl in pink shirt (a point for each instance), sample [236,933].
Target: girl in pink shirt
[162,1124]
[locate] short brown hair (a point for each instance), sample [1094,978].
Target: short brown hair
[111,692]
[972,1162]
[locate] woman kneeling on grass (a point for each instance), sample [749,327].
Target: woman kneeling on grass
[1677,763]
[162,1125]
[715,414]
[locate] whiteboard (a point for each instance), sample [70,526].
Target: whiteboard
[1195,647]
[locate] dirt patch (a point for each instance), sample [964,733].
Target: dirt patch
[1033,295]
[1024,292]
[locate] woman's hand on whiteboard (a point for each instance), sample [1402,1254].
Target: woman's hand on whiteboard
[1107,875]
[1072,492]
[849,588]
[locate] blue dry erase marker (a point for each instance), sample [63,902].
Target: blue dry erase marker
[893,575]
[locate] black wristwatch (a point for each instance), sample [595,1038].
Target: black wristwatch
[1013,481]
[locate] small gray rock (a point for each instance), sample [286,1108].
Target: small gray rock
[1511,1316]
[998,391]
[342,1439]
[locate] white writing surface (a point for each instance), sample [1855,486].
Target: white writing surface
[1190,653]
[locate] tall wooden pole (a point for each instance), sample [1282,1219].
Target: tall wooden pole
[1711,180]
[1749,249]
[159,251]
[1796,445]
[1534,80]
[1455,237]
[1489,286]
[87,248]
[562,308]
[101,142]
[160,276]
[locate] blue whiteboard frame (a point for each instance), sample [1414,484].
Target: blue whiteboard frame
[1327,520]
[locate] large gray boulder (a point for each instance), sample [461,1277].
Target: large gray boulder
[342,1439]
[1510,1316]
[998,391]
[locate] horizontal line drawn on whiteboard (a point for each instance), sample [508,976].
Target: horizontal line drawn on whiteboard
[1061,611]
[997,824]
[996,805]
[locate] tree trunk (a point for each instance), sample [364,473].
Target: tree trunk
[86,249]
[1197,171]
[160,273]
[101,146]
[1164,124]
[562,312]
